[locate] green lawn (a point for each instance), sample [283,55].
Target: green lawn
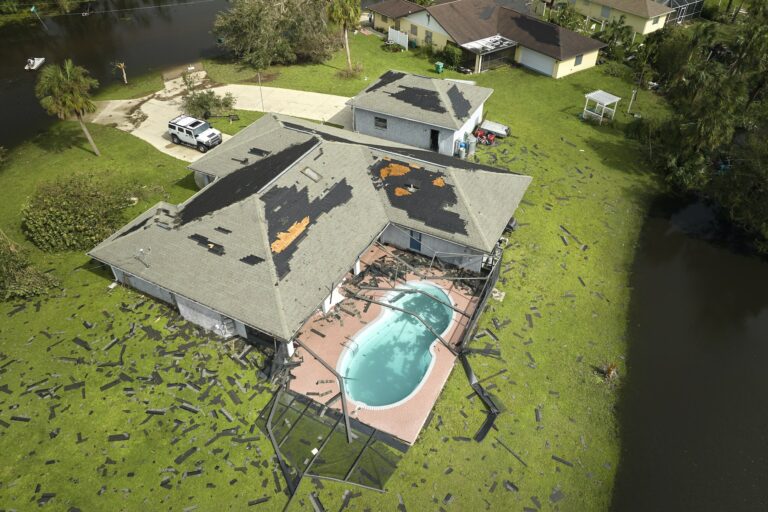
[232,127]
[137,87]
[324,77]
[566,307]
[66,450]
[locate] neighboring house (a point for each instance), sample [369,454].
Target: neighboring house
[292,208]
[490,35]
[425,112]
[685,10]
[644,16]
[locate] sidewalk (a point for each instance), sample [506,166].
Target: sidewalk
[147,118]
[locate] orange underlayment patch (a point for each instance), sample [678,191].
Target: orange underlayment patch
[439,182]
[400,192]
[285,238]
[394,169]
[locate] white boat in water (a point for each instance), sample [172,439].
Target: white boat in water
[33,64]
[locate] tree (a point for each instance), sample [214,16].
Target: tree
[120,66]
[618,36]
[64,91]
[204,104]
[346,14]
[714,143]
[265,32]
[565,15]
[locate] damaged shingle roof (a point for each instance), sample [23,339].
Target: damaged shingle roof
[431,101]
[395,8]
[467,21]
[264,243]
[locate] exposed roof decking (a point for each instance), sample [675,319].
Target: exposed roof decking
[430,101]
[269,258]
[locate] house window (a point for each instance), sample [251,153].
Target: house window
[656,20]
[380,122]
[605,12]
[414,30]
[578,60]
[428,37]
[384,19]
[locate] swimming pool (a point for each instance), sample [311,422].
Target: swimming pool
[387,361]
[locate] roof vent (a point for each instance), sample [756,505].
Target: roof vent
[309,173]
[259,152]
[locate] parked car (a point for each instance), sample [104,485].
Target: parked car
[193,132]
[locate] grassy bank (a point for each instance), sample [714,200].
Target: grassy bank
[137,87]
[566,278]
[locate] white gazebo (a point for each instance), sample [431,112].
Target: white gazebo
[605,105]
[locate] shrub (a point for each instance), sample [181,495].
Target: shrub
[19,279]
[73,214]
[451,56]
[617,69]
[207,103]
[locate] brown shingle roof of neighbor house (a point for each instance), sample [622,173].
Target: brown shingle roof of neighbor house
[467,20]
[642,8]
[471,20]
[264,243]
[543,37]
[427,100]
[395,8]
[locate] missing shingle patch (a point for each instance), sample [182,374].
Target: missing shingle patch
[424,99]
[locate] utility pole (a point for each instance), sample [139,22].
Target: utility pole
[631,100]
[34,10]
[261,93]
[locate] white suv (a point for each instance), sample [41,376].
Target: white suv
[193,132]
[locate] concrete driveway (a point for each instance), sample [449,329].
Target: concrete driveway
[147,118]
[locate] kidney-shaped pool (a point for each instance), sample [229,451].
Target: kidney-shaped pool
[388,360]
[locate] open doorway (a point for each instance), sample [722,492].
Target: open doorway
[434,140]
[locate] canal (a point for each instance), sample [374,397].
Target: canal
[146,35]
[693,415]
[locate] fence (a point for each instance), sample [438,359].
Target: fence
[397,37]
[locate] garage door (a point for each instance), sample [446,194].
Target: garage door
[536,61]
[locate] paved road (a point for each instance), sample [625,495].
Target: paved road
[147,118]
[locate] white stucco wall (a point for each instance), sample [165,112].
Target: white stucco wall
[143,286]
[412,132]
[424,19]
[454,254]
[468,127]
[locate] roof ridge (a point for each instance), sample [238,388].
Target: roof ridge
[442,92]
[262,223]
[460,193]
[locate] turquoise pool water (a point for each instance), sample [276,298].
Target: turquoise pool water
[388,360]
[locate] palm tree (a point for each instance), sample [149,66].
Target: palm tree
[120,66]
[64,91]
[345,13]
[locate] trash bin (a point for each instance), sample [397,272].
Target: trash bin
[439,67]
